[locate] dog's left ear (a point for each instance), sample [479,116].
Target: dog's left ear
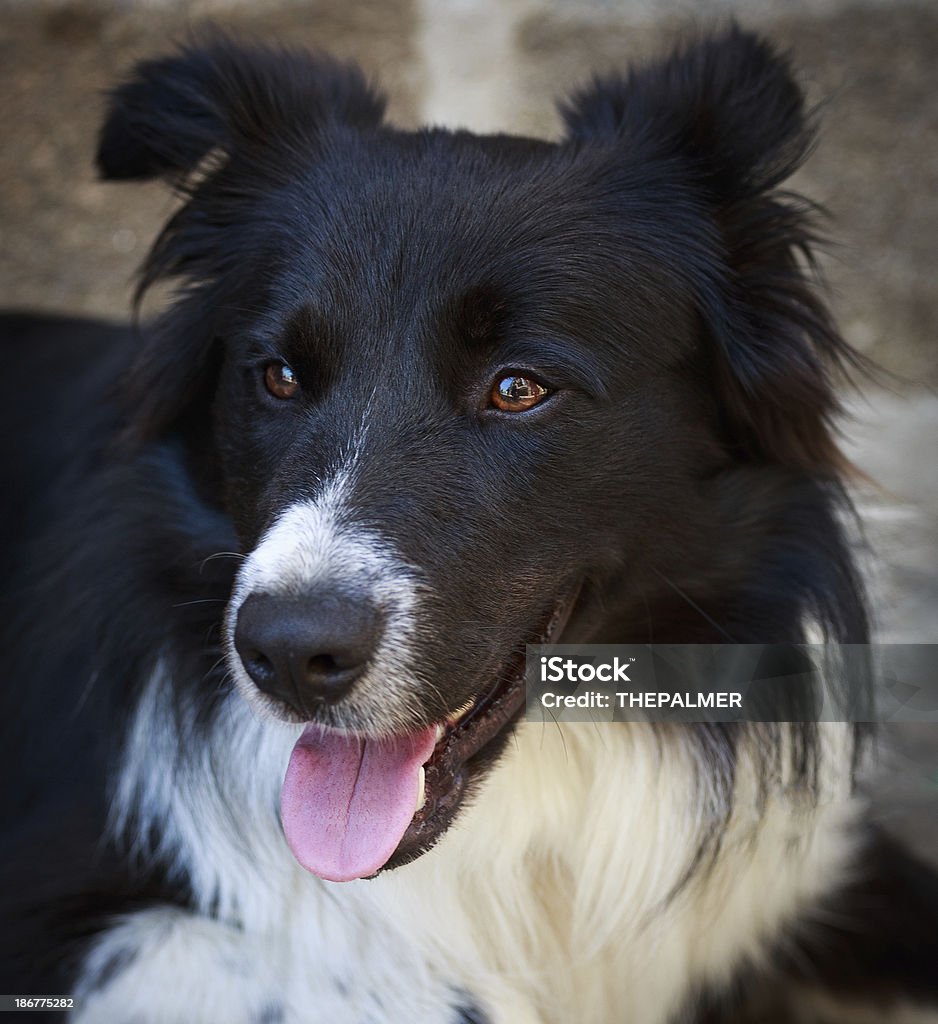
[726,116]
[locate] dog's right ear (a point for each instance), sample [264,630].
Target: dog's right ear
[219,95]
[241,114]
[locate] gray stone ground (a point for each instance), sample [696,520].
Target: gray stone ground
[70,243]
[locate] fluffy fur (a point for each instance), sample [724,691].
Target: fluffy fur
[680,477]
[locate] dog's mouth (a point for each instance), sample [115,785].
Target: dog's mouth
[353,805]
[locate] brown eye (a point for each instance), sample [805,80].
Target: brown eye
[516,394]
[280,380]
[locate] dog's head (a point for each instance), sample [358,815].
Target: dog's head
[463,393]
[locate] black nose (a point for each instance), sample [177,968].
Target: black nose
[308,651]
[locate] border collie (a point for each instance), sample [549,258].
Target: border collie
[420,399]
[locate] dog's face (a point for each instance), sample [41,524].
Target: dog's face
[458,394]
[442,369]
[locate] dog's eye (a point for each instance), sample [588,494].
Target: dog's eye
[516,393]
[280,380]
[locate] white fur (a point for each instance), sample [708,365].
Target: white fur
[167,951]
[547,900]
[315,542]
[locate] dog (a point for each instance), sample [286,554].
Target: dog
[417,401]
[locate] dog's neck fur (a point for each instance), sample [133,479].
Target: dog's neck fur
[525,909]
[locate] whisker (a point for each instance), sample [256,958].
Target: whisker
[221,554]
[680,593]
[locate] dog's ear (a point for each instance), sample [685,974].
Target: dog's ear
[220,95]
[727,105]
[725,119]
[220,120]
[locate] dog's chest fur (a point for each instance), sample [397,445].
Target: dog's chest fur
[525,913]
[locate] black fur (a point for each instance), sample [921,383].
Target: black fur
[646,267]
[876,935]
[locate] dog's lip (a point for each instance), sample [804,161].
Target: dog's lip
[467,734]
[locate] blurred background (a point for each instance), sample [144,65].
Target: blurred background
[68,243]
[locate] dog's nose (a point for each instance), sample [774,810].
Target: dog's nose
[306,652]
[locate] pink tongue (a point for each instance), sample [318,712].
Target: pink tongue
[347,801]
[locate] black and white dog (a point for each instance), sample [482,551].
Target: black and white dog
[272,561]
